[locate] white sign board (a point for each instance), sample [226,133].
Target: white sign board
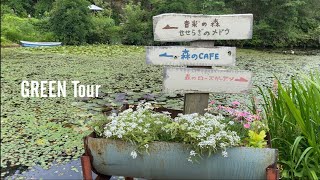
[173,27]
[196,80]
[180,55]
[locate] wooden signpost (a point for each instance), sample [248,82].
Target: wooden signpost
[198,79]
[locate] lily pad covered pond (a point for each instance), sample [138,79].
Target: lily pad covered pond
[39,131]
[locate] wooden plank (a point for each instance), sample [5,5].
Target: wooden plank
[195,103]
[195,80]
[190,56]
[173,27]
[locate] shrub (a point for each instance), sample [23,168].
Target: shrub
[70,21]
[41,7]
[18,7]
[136,28]
[15,29]
[115,34]
[99,31]
[5,42]
[6,10]
[293,116]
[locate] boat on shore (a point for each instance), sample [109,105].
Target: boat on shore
[37,44]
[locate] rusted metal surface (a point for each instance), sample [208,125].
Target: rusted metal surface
[103,177]
[169,161]
[86,167]
[88,154]
[128,178]
[272,173]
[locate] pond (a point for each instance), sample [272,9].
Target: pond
[39,131]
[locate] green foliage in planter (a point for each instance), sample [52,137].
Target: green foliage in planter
[249,126]
[293,115]
[204,133]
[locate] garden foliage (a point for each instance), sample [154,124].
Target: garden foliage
[293,115]
[205,134]
[14,29]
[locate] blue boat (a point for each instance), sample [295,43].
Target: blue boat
[37,44]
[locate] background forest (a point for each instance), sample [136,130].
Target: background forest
[277,23]
[39,132]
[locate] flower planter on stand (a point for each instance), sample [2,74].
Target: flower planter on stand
[165,160]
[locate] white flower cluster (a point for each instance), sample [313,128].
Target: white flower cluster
[209,132]
[203,133]
[131,125]
[131,121]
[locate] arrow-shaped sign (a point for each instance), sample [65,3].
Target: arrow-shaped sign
[196,80]
[191,27]
[165,55]
[241,79]
[191,56]
[169,27]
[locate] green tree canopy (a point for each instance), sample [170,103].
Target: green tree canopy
[70,21]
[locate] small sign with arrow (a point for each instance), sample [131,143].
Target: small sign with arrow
[195,80]
[172,27]
[195,56]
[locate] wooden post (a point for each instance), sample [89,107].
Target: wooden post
[197,102]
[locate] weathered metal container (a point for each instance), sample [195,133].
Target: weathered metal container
[169,161]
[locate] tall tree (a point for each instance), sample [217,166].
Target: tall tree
[42,6]
[20,7]
[136,25]
[70,21]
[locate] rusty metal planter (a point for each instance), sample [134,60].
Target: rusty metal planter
[169,161]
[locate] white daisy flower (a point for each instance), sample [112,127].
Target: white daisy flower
[133,154]
[224,153]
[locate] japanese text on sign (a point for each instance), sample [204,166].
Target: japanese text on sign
[180,55]
[188,27]
[195,80]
